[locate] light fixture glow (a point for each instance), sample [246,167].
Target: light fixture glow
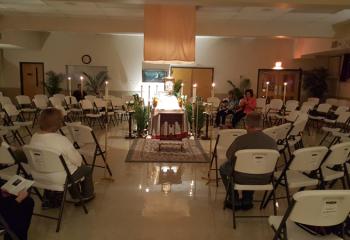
[278,65]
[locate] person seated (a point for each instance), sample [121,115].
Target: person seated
[254,139]
[78,94]
[246,105]
[17,212]
[50,121]
[226,107]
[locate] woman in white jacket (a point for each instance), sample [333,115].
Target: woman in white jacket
[50,121]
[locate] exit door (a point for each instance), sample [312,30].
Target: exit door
[32,78]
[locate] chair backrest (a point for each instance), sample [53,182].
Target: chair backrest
[308,159]
[1,94]
[5,100]
[261,104]
[343,102]
[227,136]
[214,100]
[307,106]
[341,109]
[70,100]
[291,105]
[5,154]
[293,115]
[86,104]
[299,125]
[23,100]
[43,160]
[41,97]
[41,101]
[324,107]
[117,102]
[272,132]
[60,96]
[339,154]
[56,102]
[276,104]
[313,100]
[282,131]
[91,98]
[100,103]
[256,161]
[11,110]
[321,207]
[332,101]
[81,134]
[343,117]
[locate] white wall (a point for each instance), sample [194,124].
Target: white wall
[123,55]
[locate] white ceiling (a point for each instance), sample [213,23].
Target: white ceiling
[220,10]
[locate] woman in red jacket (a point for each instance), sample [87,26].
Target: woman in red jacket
[246,106]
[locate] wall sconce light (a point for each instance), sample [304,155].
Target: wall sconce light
[278,66]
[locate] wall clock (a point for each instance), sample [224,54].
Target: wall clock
[86,59]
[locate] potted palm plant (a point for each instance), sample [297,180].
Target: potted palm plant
[315,82]
[53,81]
[95,83]
[140,115]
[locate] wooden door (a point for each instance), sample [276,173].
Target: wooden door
[204,78]
[32,78]
[185,75]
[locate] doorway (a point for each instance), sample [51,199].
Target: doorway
[32,78]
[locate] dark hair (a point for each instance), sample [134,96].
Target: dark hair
[231,92]
[253,120]
[249,91]
[50,120]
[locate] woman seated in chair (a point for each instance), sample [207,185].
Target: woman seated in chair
[17,213]
[50,121]
[226,107]
[246,105]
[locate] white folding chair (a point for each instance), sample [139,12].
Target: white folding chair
[306,107]
[101,105]
[334,166]
[49,171]
[273,109]
[253,162]
[87,144]
[25,105]
[224,140]
[280,133]
[119,108]
[41,101]
[337,126]
[319,208]
[5,100]
[313,100]
[91,98]
[321,114]
[260,105]
[74,108]
[343,102]
[332,101]
[91,115]
[294,176]
[60,96]
[294,137]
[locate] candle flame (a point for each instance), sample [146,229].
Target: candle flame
[213,84]
[195,85]
[285,83]
[69,78]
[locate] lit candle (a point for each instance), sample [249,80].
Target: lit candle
[212,89]
[70,86]
[182,89]
[81,86]
[149,93]
[284,91]
[267,89]
[194,95]
[141,90]
[106,90]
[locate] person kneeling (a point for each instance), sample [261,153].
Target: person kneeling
[50,121]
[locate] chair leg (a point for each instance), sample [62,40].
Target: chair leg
[216,172]
[233,205]
[105,162]
[60,214]
[274,202]
[324,138]
[263,200]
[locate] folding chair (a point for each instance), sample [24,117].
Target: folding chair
[295,136]
[306,107]
[91,98]
[288,117]
[295,174]
[215,103]
[332,101]
[319,208]
[254,162]
[5,100]
[118,108]
[41,102]
[334,166]
[60,96]
[91,115]
[273,109]
[101,105]
[334,126]
[44,165]
[73,107]
[314,100]
[87,144]
[322,111]
[224,140]
[25,105]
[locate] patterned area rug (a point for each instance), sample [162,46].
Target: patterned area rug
[152,150]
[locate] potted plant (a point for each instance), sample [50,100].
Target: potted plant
[315,82]
[140,115]
[201,117]
[95,83]
[53,81]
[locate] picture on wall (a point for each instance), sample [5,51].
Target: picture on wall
[276,79]
[153,75]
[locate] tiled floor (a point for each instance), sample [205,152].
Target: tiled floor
[134,206]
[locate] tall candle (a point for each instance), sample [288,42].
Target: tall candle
[81,86]
[106,90]
[141,90]
[149,93]
[267,89]
[156,89]
[70,86]
[194,95]
[212,89]
[182,89]
[284,92]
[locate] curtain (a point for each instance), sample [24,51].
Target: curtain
[169,33]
